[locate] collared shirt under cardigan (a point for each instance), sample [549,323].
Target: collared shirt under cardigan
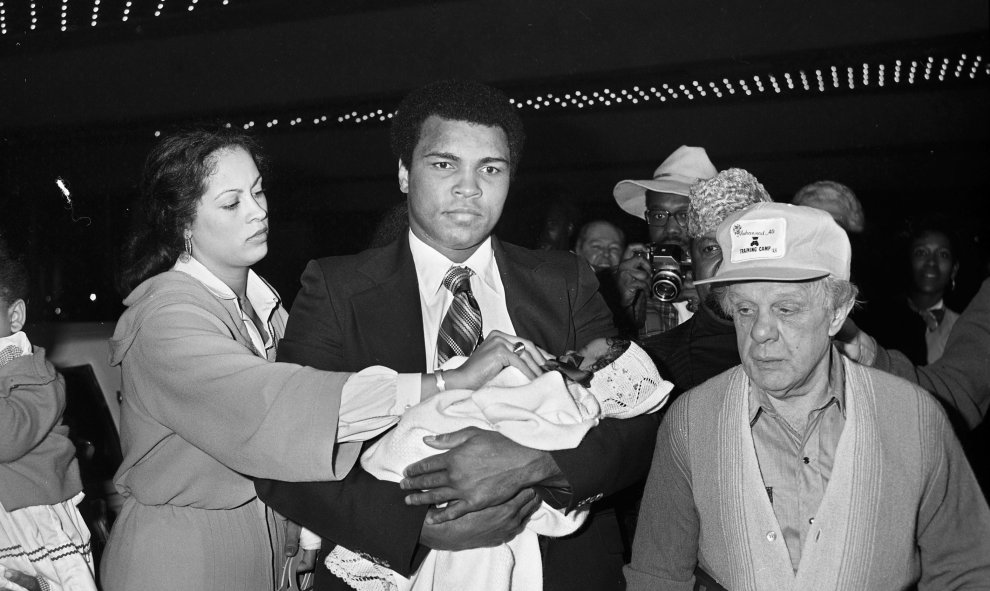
[796,467]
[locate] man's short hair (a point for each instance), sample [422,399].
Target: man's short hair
[813,195]
[456,100]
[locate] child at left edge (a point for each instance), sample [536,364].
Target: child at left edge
[42,534]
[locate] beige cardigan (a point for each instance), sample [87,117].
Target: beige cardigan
[902,506]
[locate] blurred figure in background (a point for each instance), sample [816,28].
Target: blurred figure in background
[838,200]
[914,318]
[601,243]
[393,223]
[845,208]
[558,225]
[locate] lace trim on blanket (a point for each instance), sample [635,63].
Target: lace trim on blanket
[626,383]
[360,571]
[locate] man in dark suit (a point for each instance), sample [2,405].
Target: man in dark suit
[458,144]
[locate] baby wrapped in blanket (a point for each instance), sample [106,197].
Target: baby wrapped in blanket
[608,378]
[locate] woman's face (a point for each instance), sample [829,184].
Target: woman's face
[932,263]
[230,230]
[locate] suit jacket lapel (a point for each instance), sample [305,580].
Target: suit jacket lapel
[391,307]
[536,302]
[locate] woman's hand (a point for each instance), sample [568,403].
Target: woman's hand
[498,351]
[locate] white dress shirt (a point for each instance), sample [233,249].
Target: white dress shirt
[435,299]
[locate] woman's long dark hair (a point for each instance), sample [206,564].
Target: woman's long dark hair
[172,183]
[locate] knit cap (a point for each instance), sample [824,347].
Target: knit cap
[725,193]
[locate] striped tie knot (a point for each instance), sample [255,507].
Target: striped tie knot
[458,279]
[460,330]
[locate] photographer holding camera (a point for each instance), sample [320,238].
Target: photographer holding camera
[654,280]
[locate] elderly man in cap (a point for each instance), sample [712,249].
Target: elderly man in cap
[663,203]
[800,469]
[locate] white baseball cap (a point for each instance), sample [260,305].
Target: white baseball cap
[781,242]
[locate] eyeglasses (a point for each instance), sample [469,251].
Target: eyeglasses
[660,217]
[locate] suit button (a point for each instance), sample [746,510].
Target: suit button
[771,536]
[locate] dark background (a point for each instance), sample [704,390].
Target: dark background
[85,104]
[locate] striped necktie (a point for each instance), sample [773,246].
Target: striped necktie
[460,330]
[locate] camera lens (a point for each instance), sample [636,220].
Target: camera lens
[666,285]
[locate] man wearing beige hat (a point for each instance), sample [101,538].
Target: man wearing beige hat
[663,203]
[799,469]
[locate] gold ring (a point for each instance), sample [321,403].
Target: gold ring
[518,348]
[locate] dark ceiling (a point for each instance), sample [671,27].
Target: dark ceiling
[84,104]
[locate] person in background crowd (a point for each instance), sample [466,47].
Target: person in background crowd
[558,225]
[799,469]
[601,244]
[458,144]
[838,200]
[394,222]
[916,320]
[44,542]
[705,345]
[204,404]
[845,208]
[663,203]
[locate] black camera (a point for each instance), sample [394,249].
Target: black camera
[670,265]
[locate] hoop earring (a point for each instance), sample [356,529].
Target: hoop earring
[953,287]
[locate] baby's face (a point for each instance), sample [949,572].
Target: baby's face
[592,352]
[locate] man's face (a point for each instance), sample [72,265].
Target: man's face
[601,246]
[457,183]
[784,331]
[671,232]
[706,256]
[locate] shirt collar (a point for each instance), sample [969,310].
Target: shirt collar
[759,401]
[936,306]
[19,340]
[263,298]
[431,266]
